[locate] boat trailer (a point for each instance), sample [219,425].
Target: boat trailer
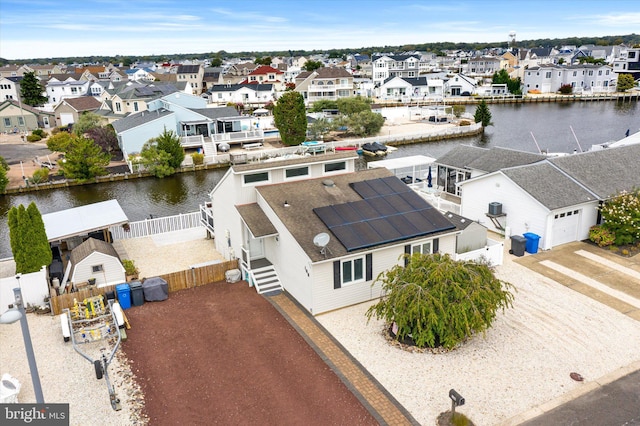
[94,321]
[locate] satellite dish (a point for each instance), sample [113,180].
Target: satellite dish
[321,240]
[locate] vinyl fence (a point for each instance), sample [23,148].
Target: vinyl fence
[160,225]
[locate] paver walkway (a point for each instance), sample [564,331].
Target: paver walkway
[380,403]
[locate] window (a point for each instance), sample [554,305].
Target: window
[20,121]
[118,107]
[422,248]
[96,268]
[352,271]
[135,106]
[7,122]
[335,167]
[256,177]
[548,74]
[296,172]
[632,55]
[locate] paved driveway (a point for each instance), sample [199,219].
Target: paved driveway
[598,273]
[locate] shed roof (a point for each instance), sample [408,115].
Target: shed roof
[90,246]
[84,219]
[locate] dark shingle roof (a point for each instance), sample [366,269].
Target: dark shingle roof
[552,188]
[604,172]
[214,113]
[138,119]
[188,69]
[257,221]
[89,246]
[83,103]
[500,158]
[328,72]
[460,156]
[234,87]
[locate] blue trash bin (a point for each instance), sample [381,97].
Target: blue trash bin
[531,245]
[124,295]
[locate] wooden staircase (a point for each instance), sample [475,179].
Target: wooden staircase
[265,279]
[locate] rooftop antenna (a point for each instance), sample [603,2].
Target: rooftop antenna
[576,138]
[538,146]
[321,240]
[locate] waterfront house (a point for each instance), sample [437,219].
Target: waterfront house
[628,62]
[585,78]
[385,66]
[556,198]
[325,84]
[319,229]
[459,85]
[246,94]
[411,89]
[16,118]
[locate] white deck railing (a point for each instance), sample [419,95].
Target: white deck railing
[155,226]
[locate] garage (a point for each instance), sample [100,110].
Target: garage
[565,227]
[66,118]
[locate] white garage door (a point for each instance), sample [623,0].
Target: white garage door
[565,227]
[66,118]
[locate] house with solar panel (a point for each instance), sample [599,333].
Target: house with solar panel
[318,229]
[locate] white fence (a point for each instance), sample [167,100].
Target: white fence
[34,286]
[159,225]
[493,252]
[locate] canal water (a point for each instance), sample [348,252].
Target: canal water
[513,126]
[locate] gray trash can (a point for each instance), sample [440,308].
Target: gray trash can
[137,295]
[518,245]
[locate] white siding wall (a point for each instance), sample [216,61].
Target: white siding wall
[225,216]
[112,270]
[588,218]
[523,213]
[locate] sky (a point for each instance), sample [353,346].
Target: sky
[42,28]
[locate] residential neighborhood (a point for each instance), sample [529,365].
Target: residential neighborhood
[261,238]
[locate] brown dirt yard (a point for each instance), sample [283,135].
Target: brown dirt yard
[222,354]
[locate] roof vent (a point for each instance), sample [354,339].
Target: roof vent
[328,182]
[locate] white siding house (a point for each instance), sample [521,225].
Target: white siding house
[270,215]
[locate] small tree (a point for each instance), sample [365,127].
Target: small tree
[322,104]
[169,142]
[290,117]
[156,161]
[105,137]
[312,65]
[84,160]
[458,110]
[319,128]
[87,121]
[28,239]
[59,142]
[625,82]
[353,105]
[482,114]
[364,123]
[440,301]
[566,89]
[31,90]
[4,180]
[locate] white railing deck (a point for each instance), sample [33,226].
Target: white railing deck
[160,225]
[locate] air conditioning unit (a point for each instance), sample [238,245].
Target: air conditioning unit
[495,209]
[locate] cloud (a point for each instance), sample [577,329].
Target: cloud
[248,16]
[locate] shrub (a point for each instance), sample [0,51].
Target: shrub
[458,110]
[601,236]
[465,123]
[33,138]
[40,175]
[621,216]
[625,252]
[198,158]
[130,267]
[566,89]
[40,133]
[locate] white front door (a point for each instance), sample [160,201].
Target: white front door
[254,245]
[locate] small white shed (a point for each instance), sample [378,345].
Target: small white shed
[96,259]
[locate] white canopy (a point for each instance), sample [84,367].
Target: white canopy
[398,163]
[84,219]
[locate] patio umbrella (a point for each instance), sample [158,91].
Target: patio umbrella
[429,178]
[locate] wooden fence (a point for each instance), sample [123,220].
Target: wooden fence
[176,281]
[160,225]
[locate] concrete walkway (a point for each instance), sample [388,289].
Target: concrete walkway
[375,398]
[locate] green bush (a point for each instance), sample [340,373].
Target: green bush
[198,158]
[40,133]
[621,217]
[40,175]
[601,236]
[33,138]
[465,123]
[129,267]
[566,89]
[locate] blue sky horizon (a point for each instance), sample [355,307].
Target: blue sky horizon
[51,29]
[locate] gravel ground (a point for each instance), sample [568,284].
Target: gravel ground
[67,377]
[523,361]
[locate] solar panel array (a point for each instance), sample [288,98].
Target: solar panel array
[389,211]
